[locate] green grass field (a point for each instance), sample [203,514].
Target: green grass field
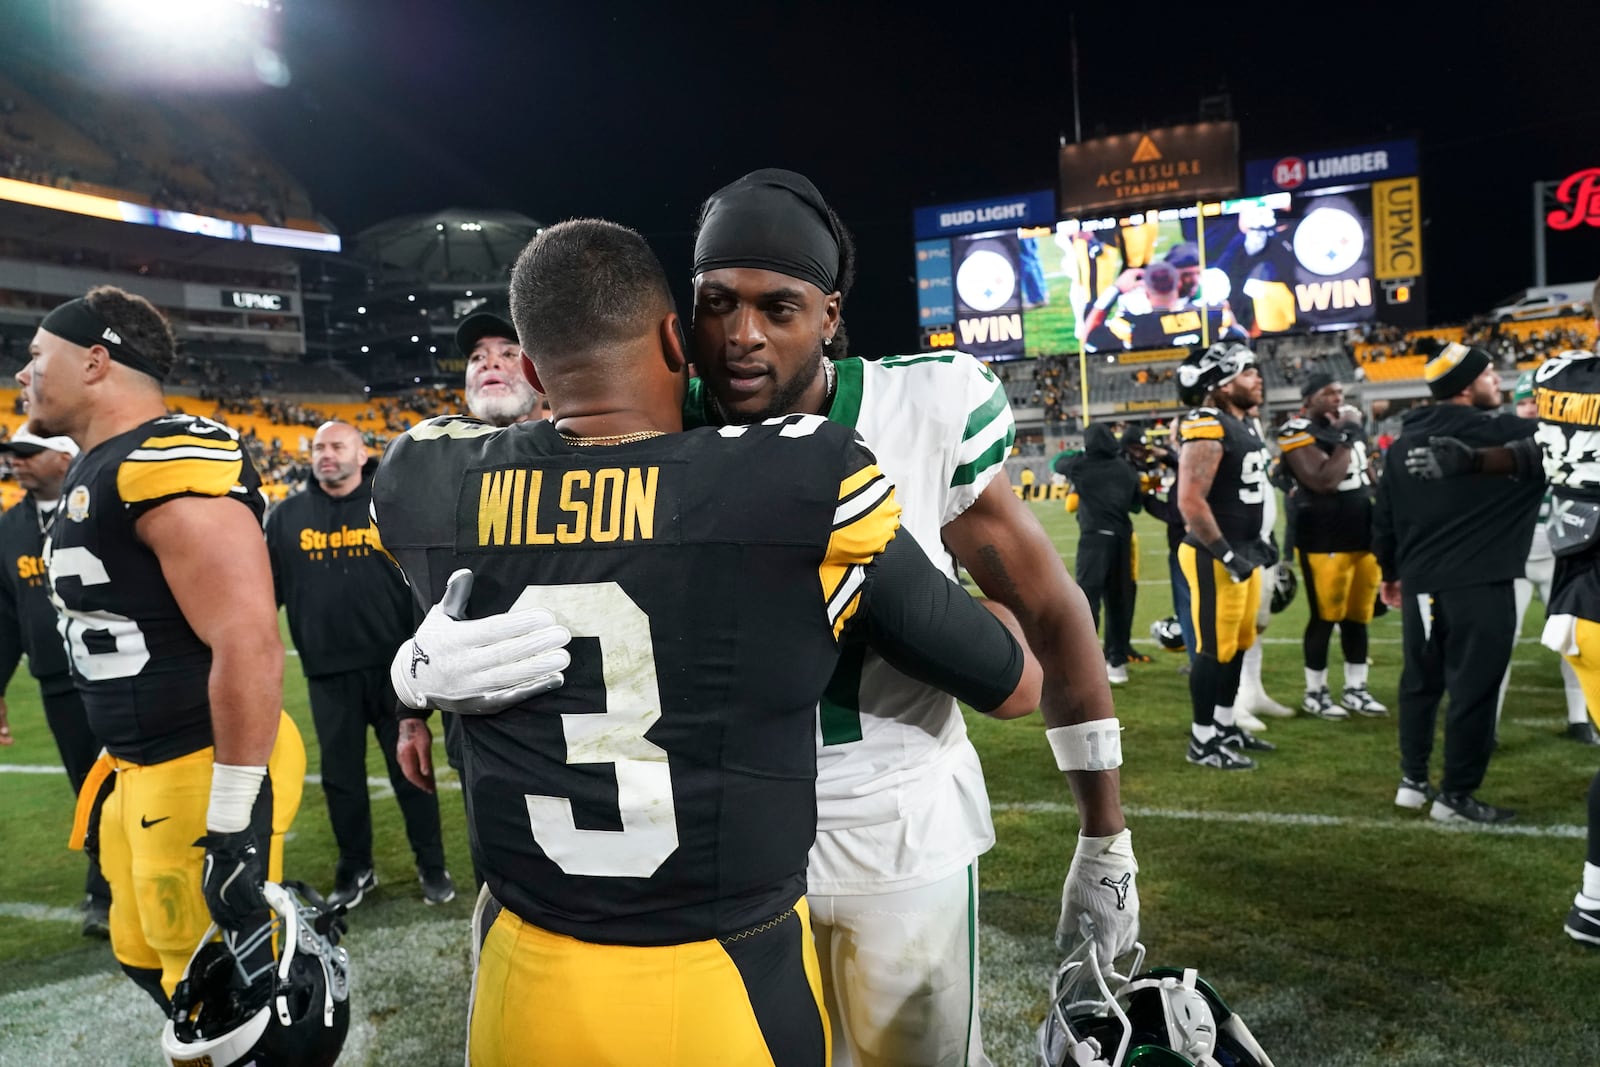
[1345,931]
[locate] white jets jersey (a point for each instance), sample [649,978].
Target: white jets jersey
[900,795]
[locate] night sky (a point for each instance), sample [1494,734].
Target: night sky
[637,112]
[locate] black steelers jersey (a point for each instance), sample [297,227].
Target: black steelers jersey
[141,670]
[666,792]
[1238,492]
[1568,394]
[1340,521]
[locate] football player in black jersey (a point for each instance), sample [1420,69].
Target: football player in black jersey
[160,514]
[1222,482]
[646,826]
[1325,450]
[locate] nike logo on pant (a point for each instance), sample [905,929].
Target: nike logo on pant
[148,822]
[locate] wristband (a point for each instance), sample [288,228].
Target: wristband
[1095,745]
[233,796]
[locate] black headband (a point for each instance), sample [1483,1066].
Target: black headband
[79,323]
[771,220]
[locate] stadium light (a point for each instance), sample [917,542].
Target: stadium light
[200,44]
[433,348]
[364,348]
[469,292]
[438,226]
[415,338]
[361,310]
[412,298]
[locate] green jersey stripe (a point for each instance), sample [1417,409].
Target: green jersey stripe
[912,361]
[846,407]
[968,473]
[985,413]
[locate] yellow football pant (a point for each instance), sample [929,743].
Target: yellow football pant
[751,1000]
[1586,665]
[1224,611]
[148,828]
[1342,586]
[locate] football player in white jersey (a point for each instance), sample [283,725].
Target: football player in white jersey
[903,813]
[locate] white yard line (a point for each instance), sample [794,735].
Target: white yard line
[1286,818]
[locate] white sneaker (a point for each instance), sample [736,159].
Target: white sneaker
[1319,704]
[1256,700]
[1242,717]
[1116,675]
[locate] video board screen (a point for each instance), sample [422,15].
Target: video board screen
[1264,265]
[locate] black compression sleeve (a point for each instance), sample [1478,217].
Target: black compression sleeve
[926,626]
[1528,457]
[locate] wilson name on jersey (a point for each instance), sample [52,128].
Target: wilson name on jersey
[1340,521]
[1239,489]
[141,670]
[666,793]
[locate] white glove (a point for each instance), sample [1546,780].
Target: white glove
[1101,883]
[478,666]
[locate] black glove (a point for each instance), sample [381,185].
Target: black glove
[1441,457]
[1264,552]
[232,879]
[1239,568]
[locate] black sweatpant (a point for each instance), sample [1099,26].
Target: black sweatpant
[1457,642]
[343,707]
[69,725]
[1105,573]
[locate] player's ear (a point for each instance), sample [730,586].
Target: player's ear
[532,375]
[832,313]
[674,345]
[96,364]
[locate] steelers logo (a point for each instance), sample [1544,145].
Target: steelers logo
[1329,241]
[986,280]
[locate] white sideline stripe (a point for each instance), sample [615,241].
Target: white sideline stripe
[41,913]
[445,777]
[1285,818]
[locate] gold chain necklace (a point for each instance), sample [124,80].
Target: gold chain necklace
[612,439]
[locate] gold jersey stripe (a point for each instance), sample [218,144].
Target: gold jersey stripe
[1201,431]
[857,480]
[152,480]
[857,543]
[1289,444]
[221,444]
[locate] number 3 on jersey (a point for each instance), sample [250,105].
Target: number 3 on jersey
[649,831]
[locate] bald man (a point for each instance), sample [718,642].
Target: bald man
[348,611]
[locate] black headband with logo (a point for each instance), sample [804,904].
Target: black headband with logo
[79,323]
[772,220]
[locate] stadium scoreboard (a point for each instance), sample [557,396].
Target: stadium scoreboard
[1320,240]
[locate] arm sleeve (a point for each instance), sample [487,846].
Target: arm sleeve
[926,626]
[986,438]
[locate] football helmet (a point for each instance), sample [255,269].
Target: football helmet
[216,1021]
[1168,634]
[1284,587]
[1211,369]
[1163,1017]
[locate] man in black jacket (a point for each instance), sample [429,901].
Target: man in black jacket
[348,611]
[1108,494]
[28,625]
[1449,552]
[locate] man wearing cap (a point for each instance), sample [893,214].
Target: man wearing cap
[28,625]
[497,390]
[157,565]
[1450,552]
[1539,575]
[1325,451]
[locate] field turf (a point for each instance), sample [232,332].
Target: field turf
[1345,931]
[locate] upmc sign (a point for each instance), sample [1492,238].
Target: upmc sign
[1338,166]
[1579,195]
[1136,169]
